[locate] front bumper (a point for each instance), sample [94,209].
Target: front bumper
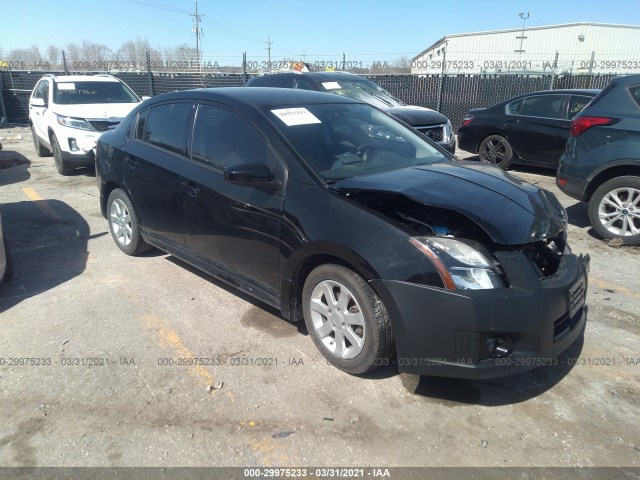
[77,146]
[444,333]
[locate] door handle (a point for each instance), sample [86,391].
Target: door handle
[132,163]
[191,190]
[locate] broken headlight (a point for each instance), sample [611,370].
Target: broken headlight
[460,266]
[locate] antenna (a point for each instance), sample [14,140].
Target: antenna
[197,30]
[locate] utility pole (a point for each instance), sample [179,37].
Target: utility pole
[269,43]
[524,18]
[197,30]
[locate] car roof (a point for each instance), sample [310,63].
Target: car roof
[565,91]
[82,78]
[257,97]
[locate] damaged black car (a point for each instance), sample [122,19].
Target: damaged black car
[338,215]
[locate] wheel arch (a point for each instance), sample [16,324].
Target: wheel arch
[619,169]
[294,276]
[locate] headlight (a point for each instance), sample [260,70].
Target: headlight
[460,266]
[74,123]
[448,130]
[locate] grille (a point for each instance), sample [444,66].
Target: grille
[433,133]
[103,126]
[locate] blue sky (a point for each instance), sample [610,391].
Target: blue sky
[364,29]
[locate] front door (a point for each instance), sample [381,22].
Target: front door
[234,228]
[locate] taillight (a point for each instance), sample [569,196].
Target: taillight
[580,124]
[467,120]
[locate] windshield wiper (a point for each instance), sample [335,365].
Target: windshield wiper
[387,102]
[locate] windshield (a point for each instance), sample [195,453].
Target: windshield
[76,93]
[345,140]
[363,90]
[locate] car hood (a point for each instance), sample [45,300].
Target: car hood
[417,116]
[511,211]
[96,111]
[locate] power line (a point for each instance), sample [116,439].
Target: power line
[157,6]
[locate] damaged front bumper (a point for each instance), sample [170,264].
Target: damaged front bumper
[488,333]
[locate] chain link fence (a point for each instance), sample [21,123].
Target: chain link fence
[451,94]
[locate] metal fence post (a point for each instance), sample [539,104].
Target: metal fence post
[3,109]
[442,77]
[64,63]
[150,75]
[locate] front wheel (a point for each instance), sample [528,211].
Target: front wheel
[346,319]
[496,150]
[40,149]
[124,224]
[61,165]
[614,209]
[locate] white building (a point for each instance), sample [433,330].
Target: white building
[568,48]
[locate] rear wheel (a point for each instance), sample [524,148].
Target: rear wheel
[496,149]
[61,165]
[614,209]
[346,319]
[124,224]
[40,149]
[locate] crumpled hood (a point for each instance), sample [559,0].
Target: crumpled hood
[102,111]
[511,211]
[417,116]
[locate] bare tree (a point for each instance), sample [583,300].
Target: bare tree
[53,55]
[95,52]
[401,65]
[72,53]
[31,55]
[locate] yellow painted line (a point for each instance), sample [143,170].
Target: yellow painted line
[41,202]
[169,338]
[606,285]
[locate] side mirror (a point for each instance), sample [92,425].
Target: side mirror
[249,174]
[38,102]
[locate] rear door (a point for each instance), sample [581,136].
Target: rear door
[152,168]
[535,127]
[233,228]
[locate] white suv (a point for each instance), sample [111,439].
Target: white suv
[68,113]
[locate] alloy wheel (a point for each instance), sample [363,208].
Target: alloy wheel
[619,211]
[120,222]
[337,319]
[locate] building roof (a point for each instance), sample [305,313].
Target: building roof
[527,29]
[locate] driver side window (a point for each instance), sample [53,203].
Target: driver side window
[223,138]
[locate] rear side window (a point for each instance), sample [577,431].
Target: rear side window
[635,94]
[281,81]
[545,106]
[577,104]
[514,108]
[166,126]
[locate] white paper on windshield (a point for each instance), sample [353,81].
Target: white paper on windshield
[295,116]
[66,86]
[331,85]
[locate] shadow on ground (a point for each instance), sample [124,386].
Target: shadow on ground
[48,244]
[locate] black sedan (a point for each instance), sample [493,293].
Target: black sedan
[531,128]
[337,214]
[430,123]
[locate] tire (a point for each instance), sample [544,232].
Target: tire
[61,165]
[40,149]
[356,347]
[124,225]
[497,151]
[614,209]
